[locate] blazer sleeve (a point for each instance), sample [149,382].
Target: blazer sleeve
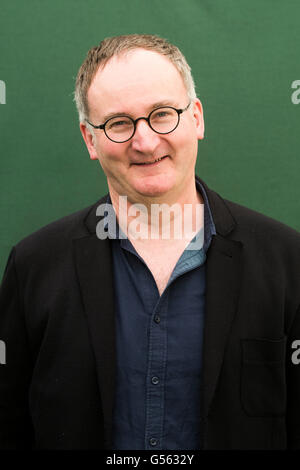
[16,431]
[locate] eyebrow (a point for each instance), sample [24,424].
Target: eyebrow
[158,104]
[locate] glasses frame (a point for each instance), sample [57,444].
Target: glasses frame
[135,121]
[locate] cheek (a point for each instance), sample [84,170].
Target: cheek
[187,145]
[112,159]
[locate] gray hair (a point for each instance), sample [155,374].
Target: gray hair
[99,55]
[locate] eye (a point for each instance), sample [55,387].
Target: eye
[118,123]
[162,114]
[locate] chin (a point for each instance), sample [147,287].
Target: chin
[153,194]
[153,189]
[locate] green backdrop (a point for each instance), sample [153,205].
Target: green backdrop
[244,56]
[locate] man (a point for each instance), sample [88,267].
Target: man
[121,341]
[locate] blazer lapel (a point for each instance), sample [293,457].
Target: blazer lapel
[223,276]
[93,262]
[223,273]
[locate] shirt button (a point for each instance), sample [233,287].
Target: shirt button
[155,380]
[157,319]
[153,441]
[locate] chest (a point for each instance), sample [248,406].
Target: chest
[160,260]
[161,271]
[159,361]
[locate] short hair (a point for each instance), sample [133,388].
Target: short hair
[99,55]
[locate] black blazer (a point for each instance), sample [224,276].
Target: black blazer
[57,322]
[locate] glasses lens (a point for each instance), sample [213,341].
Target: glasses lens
[119,128]
[164,120]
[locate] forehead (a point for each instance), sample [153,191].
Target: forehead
[137,77]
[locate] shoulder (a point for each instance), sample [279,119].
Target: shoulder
[260,234]
[233,218]
[57,236]
[268,244]
[253,222]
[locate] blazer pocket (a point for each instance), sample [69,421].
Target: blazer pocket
[263,388]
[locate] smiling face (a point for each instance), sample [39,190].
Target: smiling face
[134,84]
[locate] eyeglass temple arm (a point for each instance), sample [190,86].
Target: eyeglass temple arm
[180,111]
[101,126]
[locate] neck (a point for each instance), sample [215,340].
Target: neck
[162,218]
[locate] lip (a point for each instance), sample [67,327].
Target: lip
[155,163]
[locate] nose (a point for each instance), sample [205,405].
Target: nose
[145,139]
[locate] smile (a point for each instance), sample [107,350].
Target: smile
[152,163]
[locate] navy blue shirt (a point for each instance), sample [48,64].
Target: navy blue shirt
[159,343]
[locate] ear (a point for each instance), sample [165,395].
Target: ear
[89,141]
[199,119]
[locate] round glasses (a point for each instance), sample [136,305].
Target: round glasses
[162,120]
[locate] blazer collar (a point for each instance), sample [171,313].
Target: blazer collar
[91,220]
[223,219]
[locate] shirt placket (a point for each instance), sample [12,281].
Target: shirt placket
[156,375]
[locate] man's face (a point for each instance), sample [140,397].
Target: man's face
[134,84]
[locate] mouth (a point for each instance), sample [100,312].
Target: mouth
[154,162]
